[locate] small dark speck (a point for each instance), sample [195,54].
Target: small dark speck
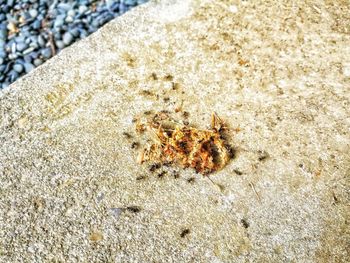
[186,122]
[186,114]
[166,99]
[175,85]
[263,155]
[176,175]
[231,151]
[148,112]
[141,177]
[160,175]
[191,180]
[184,232]
[154,76]
[238,172]
[168,77]
[154,167]
[127,135]
[134,209]
[335,198]
[245,223]
[301,165]
[135,145]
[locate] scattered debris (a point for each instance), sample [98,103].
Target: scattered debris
[204,150]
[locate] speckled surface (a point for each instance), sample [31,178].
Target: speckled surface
[278,73]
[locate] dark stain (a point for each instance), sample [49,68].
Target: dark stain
[186,114]
[191,180]
[134,209]
[231,151]
[154,167]
[185,232]
[135,145]
[127,135]
[238,172]
[175,86]
[154,76]
[245,223]
[141,177]
[168,77]
[146,93]
[161,174]
[166,99]
[262,155]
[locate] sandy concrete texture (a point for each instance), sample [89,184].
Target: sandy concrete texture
[278,72]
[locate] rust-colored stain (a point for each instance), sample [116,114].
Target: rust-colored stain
[206,151]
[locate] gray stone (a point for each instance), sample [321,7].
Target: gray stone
[33,13]
[277,74]
[21,46]
[38,62]
[67,38]
[28,67]
[46,53]
[18,68]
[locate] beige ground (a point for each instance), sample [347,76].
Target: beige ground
[278,72]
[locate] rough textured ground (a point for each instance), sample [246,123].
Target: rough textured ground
[278,73]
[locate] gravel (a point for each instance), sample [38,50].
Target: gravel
[32,31]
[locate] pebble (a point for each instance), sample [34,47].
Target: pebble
[18,68]
[33,13]
[38,62]
[24,37]
[67,38]
[28,67]
[28,50]
[13,75]
[46,53]
[41,41]
[59,44]
[21,46]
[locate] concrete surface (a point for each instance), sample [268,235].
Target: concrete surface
[277,72]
